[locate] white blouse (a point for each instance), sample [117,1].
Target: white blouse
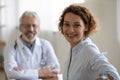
[87,63]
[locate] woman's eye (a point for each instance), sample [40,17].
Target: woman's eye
[77,25]
[35,26]
[65,24]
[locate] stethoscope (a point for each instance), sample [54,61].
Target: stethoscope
[42,63]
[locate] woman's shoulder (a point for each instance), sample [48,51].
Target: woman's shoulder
[90,48]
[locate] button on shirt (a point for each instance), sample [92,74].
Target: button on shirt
[87,63]
[21,56]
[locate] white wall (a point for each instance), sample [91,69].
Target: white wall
[118,18]
[107,39]
[9,32]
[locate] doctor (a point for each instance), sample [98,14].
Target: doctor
[29,57]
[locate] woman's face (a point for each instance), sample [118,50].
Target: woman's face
[73,28]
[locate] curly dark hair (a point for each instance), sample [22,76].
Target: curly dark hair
[84,13]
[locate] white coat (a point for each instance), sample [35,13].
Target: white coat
[19,55]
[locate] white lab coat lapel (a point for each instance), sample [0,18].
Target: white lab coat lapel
[36,53]
[28,57]
[24,51]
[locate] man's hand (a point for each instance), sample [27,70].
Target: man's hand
[48,73]
[18,68]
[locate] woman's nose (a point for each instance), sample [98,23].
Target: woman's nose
[71,29]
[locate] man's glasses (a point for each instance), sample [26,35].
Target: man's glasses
[29,25]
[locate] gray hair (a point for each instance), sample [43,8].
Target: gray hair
[29,14]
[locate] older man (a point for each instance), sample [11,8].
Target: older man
[29,57]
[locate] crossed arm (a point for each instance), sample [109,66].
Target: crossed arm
[45,73]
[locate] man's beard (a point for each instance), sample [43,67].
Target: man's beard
[29,40]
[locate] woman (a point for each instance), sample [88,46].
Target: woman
[85,62]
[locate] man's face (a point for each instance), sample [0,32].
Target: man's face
[29,28]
